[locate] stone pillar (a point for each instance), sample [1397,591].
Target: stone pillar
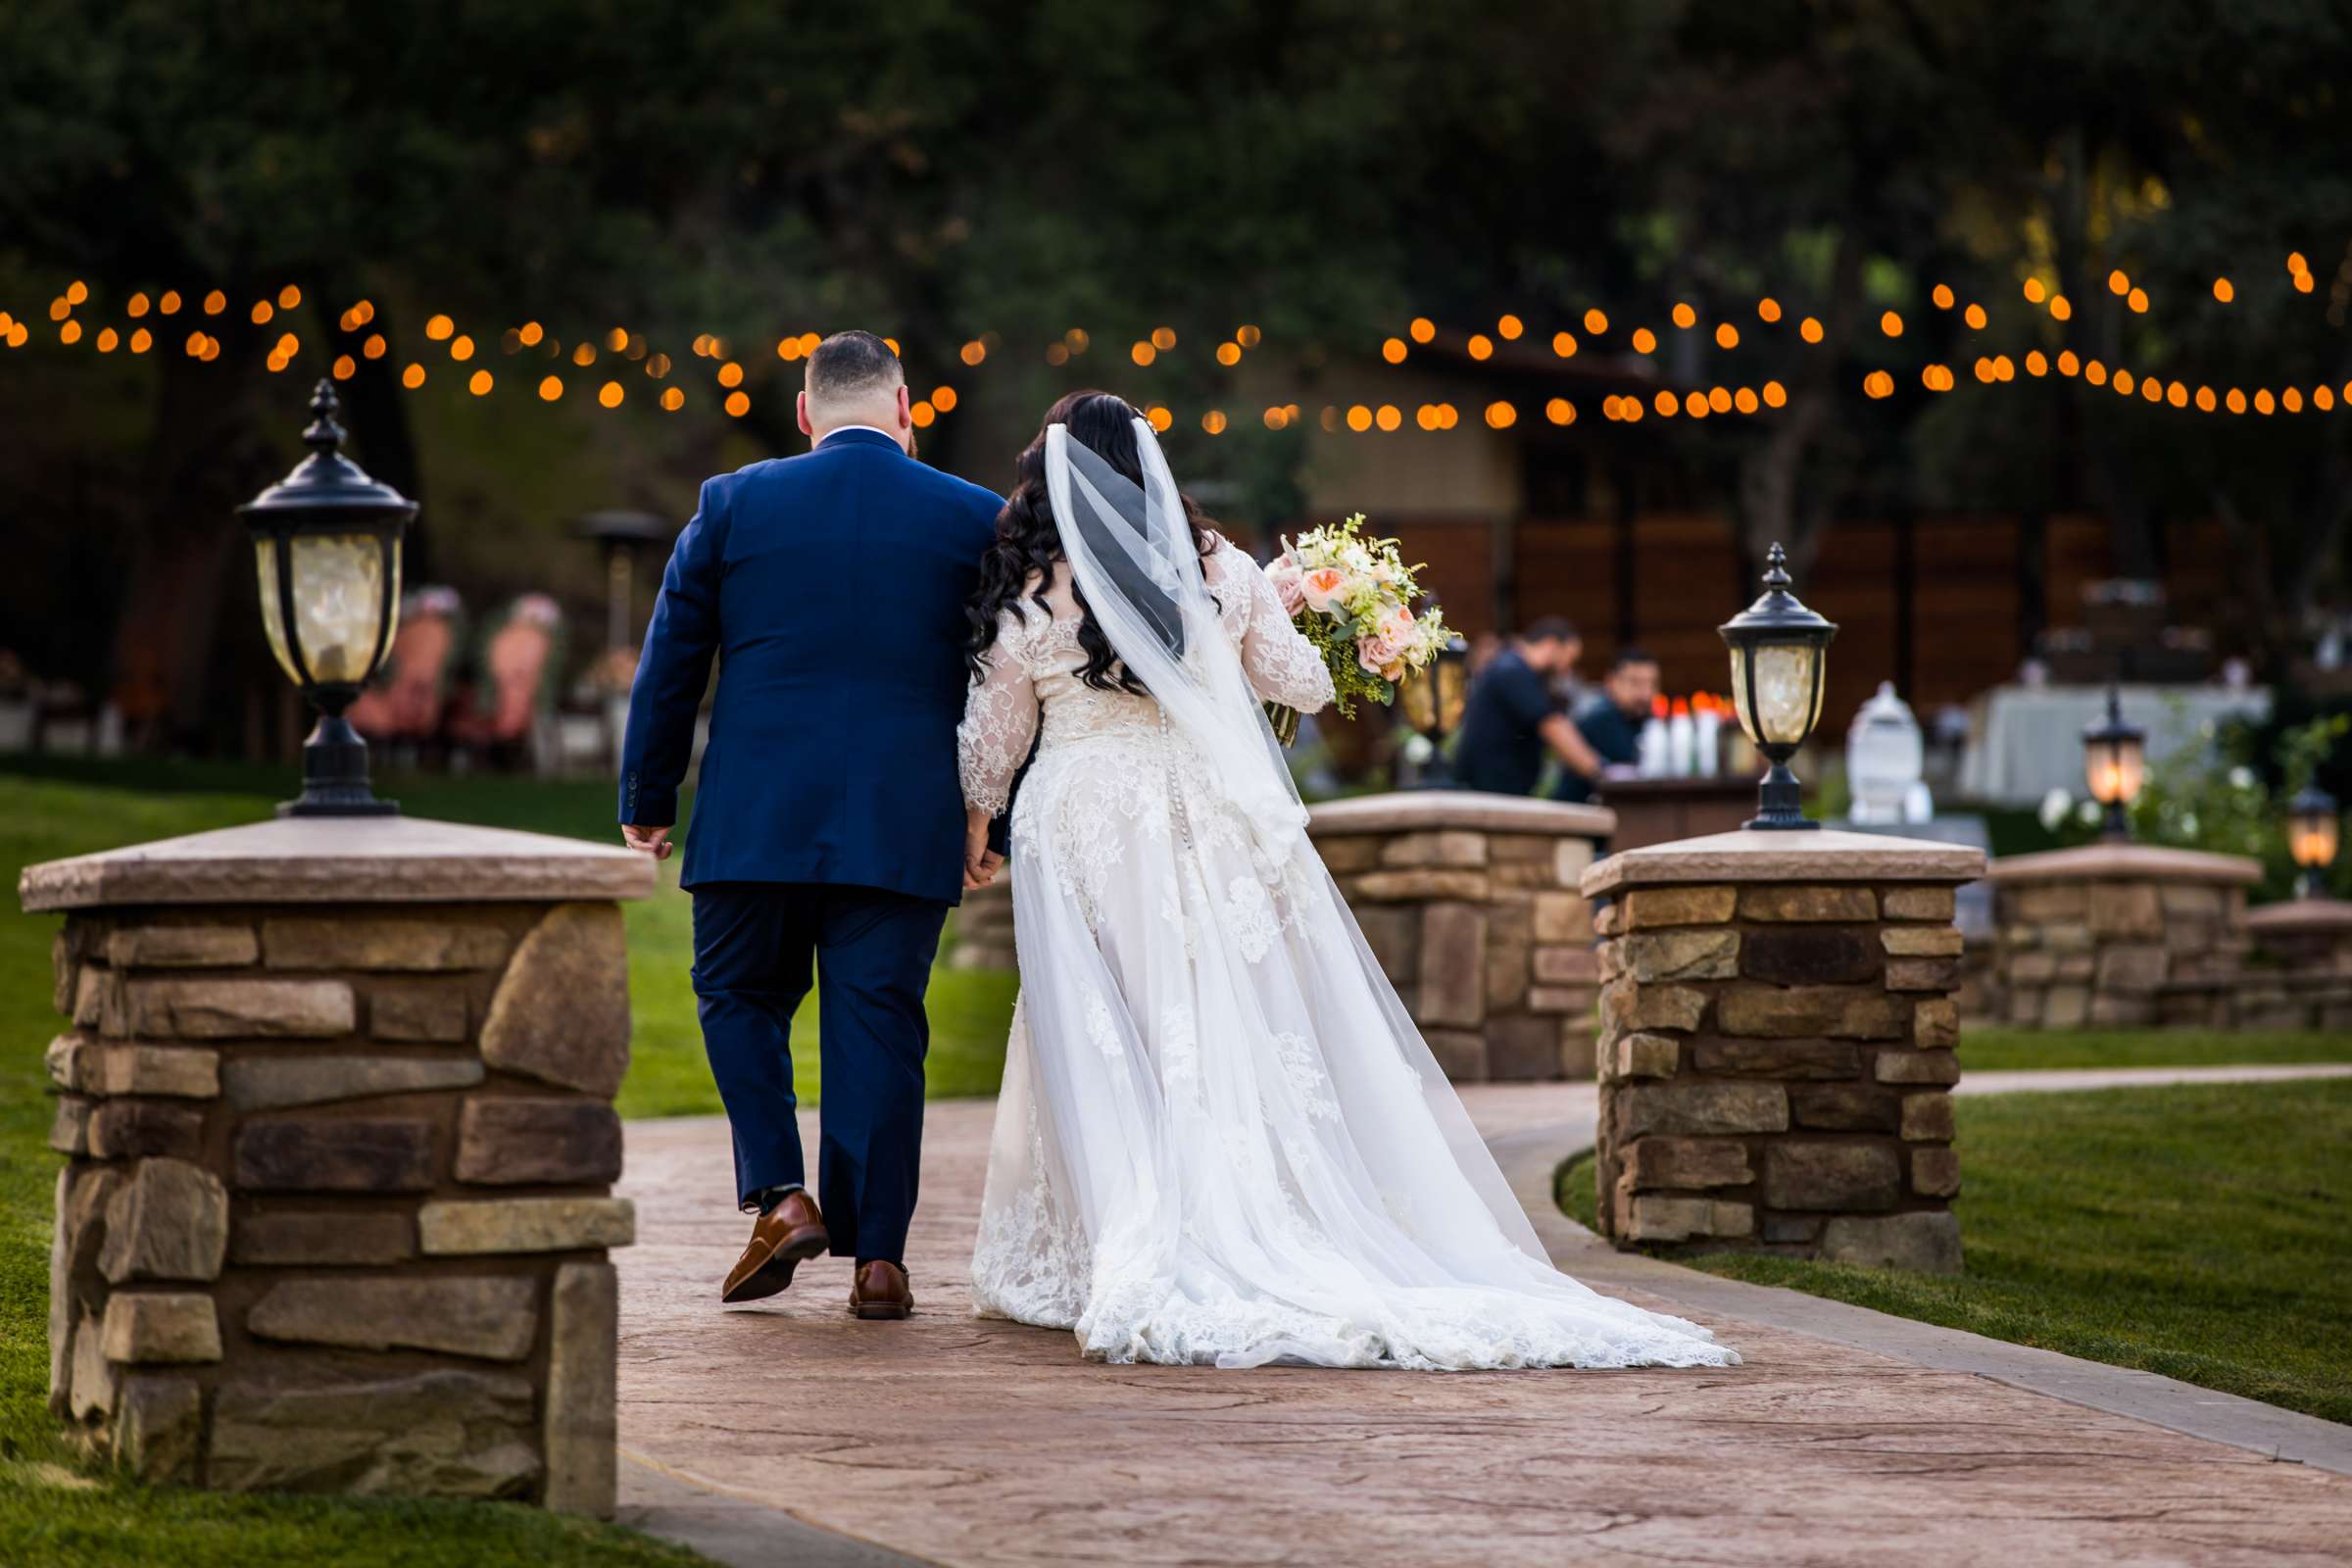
[1470,901]
[2304,977]
[336,1105]
[2125,935]
[1777,1045]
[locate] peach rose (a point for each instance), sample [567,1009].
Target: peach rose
[1283,575]
[1322,588]
[1378,655]
[1397,626]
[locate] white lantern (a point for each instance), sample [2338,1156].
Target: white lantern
[1885,756]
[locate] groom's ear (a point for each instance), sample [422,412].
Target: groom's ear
[800,404]
[905,408]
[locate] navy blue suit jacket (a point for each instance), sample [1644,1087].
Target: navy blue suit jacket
[832,588]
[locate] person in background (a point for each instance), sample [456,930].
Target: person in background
[1610,720]
[1513,718]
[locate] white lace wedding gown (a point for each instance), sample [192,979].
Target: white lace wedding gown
[1220,1137]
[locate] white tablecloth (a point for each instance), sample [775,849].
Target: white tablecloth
[2025,741]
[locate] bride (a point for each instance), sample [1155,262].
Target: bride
[1220,1139]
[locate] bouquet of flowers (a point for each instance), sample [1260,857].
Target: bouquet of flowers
[1353,597]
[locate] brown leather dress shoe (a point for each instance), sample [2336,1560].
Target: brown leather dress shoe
[880,1291]
[787,1234]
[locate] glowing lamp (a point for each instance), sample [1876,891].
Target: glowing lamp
[1780,650]
[1433,698]
[326,544]
[2115,765]
[2313,828]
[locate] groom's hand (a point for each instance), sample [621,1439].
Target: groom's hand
[653,841]
[980,872]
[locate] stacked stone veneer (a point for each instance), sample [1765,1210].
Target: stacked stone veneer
[2120,935]
[1776,1046]
[336,1205]
[2301,975]
[1471,903]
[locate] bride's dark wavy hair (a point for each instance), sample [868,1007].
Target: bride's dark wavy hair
[1028,543]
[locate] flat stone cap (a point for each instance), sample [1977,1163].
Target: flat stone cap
[2301,914]
[351,859]
[1815,855]
[2108,862]
[1464,810]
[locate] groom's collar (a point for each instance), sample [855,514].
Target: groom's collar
[860,435]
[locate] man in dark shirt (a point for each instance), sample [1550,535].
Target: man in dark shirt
[1512,717]
[1611,721]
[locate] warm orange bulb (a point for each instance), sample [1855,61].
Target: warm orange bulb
[1389,417]
[480,383]
[1596,323]
[1564,345]
[1393,351]
[1726,336]
[1509,327]
[2035,292]
[1892,324]
[1644,340]
[413,377]
[2223,291]
[611,394]
[1685,316]
[1143,354]
[1502,416]
[673,398]
[1481,347]
[1975,317]
[1768,309]
[1560,411]
[1422,329]
[738,405]
[1775,395]
[1810,329]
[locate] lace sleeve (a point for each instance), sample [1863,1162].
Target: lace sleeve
[1000,718]
[1283,666]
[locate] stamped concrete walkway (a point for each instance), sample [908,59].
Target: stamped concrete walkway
[787,1434]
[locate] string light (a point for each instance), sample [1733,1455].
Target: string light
[1560,411]
[1768,309]
[1975,317]
[673,398]
[738,405]
[1481,346]
[1392,351]
[480,383]
[1596,323]
[1389,418]
[1502,416]
[1422,329]
[1229,353]
[439,328]
[1810,329]
[1143,354]
[610,394]
[1509,327]
[2223,291]
[1644,340]
[1564,345]
[1726,336]
[413,376]
[1685,316]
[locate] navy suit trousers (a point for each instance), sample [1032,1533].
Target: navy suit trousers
[754,946]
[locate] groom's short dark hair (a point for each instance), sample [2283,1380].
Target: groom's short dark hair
[852,364]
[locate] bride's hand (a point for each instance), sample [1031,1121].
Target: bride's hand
[980,862]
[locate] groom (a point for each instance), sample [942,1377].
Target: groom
[828,822]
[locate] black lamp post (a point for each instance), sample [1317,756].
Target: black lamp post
[2114,766]
[327,545]
[1779,652]
[2312,833]
[1433,706]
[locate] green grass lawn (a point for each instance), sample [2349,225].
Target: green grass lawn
[2195,1231]
[54,1511]
[1992,1050]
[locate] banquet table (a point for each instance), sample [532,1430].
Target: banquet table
[2025,741]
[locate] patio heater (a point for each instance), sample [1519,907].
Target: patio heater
[622,534]
[326,544]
